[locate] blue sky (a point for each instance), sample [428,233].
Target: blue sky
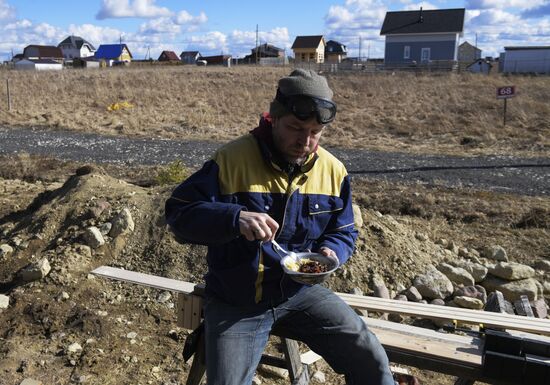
[229,27]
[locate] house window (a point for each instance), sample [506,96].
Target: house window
[407,52]
[312,56]
[425,54]
[303,57]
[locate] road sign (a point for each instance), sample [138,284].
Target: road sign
[506,92]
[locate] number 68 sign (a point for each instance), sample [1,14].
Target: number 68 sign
[506,92]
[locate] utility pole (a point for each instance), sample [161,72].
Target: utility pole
[476,39]
[360,42]
[257,48]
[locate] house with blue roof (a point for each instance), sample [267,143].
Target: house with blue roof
[113,54]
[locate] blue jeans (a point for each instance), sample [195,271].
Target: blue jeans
[236,337]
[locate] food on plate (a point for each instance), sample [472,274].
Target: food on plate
[306,265]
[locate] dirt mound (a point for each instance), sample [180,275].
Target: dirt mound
[72,327]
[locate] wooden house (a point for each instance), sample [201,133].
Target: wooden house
[309,49]
[335,52]
[526,59]
[113,54]
[468,53]
[168,56]
[422,36]
[76,47]
[190,57]
[43,52]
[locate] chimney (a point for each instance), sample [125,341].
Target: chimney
[421,17]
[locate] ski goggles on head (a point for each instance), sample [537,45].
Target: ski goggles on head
[304,107]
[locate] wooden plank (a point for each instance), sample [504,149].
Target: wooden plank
[427,344]
[145,279]
[180,309]
[309,357]
[487,319]
[196,311]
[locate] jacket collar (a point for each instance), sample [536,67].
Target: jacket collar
[264,137]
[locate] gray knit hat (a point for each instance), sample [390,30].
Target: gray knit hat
[300,82]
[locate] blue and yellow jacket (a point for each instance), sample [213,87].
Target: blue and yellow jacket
[313,209]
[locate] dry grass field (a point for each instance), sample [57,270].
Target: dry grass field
[429,113]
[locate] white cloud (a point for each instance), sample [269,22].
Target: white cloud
[500,4]
[424,4]
[184,17]
[214,41]
[164,25]
[241,42]
[7,12]
[126,8]
[95,34]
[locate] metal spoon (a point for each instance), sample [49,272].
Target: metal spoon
[291,254]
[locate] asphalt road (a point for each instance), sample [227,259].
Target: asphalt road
[526,176]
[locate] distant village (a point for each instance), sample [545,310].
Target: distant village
[414,40]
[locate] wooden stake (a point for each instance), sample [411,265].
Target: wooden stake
[8,91]
[504,113]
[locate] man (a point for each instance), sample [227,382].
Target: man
[275,182]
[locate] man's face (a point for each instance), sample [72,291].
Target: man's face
[294,138]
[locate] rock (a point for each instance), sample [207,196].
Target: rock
[357,216]
[540,289]
[442,242]
[476,291]
[434,284]
[63,296]
[540,309]
[74,348]
[468,302]
[421,236]
[476,270]
[356,291]
[512,271]
[546,286]
[93,237]
[164,297]
[542,264]
[105,228]
[402,297]
[456,274]
[379,286]
[5,250]
[437,301]
[35,271]
[497,304]
[122,223]
[397,318]
[512,290]
[413,294]
[319,376]
[452,246]
[4,301]
[98,208]
[275,371]
[256,380]
[30,381]
[83,250]
[495,252]
[131,335]
[463,252]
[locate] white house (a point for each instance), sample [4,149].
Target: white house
[38,65]
[76,47]
[528,59]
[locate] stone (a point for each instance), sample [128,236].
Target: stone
[463,252]
[437,301]
[319,376]
[357,216]
[413,294]
[468,302]
[379,286]
[452,246]
[495,252]
[275,371]
[497,304]
[164,297]
[421,236]
[105,228]
[475,291]
[98,208]
[512,271]
[457,275]
[74,348]
[433,284]
[512,290]
[356,291]
[4,301]
[546,286]
[30,381]
[256,380]
[397,318]
[122,223]
[131,335]
[83,250]
[63,296]
[442,242]
[540,309]
[401,297]
[5,250]
[522,307]
[542,264]
[35,271]
[93,237]
[476,270]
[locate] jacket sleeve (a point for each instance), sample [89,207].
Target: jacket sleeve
[340,234]
[196,213]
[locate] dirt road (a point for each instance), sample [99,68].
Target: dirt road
[525,176]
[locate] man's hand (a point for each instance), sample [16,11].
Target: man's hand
[329,253]
[257,226]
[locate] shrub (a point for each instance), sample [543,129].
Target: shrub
[173,173]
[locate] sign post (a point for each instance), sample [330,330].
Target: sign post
[505,93]
[8,92]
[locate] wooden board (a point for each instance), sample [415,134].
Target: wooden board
[145,279]
[476,317]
